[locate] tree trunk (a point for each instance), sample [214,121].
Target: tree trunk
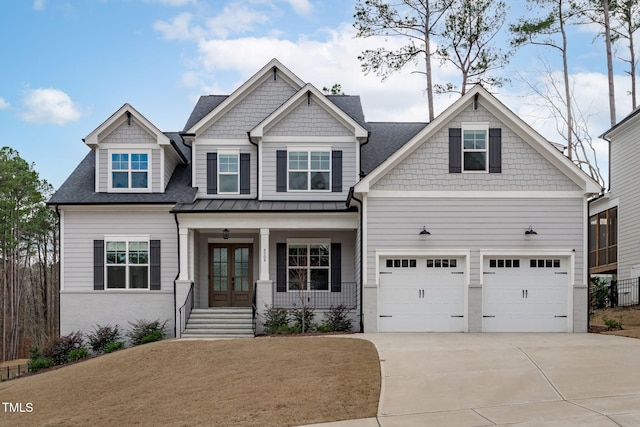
[567,89]
[427,49]
[607,41]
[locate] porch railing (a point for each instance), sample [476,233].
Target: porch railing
[348,296]
[185,310]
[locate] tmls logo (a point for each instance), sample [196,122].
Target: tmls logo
[17,407]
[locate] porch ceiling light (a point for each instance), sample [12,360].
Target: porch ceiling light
[225,234]
[424,231]
[530,232]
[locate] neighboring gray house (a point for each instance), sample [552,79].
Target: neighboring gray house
[280,195]
[615,215]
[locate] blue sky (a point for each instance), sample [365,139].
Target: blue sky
[69,64]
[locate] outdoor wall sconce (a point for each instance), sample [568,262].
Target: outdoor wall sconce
[424,231]
[530,232]
[225,234]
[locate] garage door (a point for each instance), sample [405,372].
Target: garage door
[525,294]
[421,294]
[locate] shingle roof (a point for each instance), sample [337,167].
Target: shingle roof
[385,139]
[252,205]
[204,106]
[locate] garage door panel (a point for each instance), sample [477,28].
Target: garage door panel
[423,298]
[531,295]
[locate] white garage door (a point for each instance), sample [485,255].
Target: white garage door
[421,294]
[525,294]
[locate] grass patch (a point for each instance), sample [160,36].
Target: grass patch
[627,317]
[250,382]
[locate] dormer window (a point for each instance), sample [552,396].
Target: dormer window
[475,146]
[129,171]
[309,170]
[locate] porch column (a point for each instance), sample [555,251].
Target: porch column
[184,253]
[264,254]
[264,286]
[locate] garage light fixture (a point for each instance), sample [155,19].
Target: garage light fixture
[424,231]
[530,232]
[225,234]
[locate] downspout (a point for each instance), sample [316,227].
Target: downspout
[366,141]
[257,160]
[175,316]
[351,196]
[59,262]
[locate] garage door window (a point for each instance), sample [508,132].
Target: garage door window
[308,267]
[442,263]
[504,263]
[401,263]
[544,263]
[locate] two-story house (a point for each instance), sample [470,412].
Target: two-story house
[280,195]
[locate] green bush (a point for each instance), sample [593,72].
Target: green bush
[40,363]
[337,318]
[142,329]
[58,349]
[77,354]
[153,336]
[323,328]
[276,319]
[114,346]
[302,316]
[103,336]
[599,293]
[34,352]
[611,323]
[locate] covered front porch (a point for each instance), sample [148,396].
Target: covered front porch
[249,260]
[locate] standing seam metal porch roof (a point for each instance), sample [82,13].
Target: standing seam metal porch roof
[253,205]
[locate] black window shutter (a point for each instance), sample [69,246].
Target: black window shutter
[98,265]
[154,264]
[336,267]
[495,150]
[212,173]
[455,150]
[336,171]
[281,171]
[281,267]
[245,173]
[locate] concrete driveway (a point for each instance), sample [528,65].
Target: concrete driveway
[506,379]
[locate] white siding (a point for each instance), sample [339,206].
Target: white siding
[308,119]
[125,134]
[171,160]
[523,168]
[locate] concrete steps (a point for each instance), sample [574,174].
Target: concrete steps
[222,322]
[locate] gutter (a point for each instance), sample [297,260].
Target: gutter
[349,198]
[175,316]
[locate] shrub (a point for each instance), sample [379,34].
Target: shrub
[34,352]
[302,318]
[337,318]
[323,328]
[276,319]
[611,323]
[77,354]
[114,346]
[40,363]
[58,349]
[142,329]
[599,293]
[103,336]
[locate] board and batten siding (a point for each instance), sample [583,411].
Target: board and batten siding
[476,224]
[523,168]
[200,150]
[625,181]
[251,110]
[269,149]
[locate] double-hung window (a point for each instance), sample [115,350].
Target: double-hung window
[228,172]
[309,170]
[308,267]
[127,263]
[475,153]
[129,170]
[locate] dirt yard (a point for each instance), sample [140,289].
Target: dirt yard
[249,382]
[629,317]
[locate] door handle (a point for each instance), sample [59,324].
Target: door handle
[523,293]
[526,293]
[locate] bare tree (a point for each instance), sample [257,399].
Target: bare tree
[626,17]
[416,21]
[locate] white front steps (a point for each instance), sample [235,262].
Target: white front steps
[219,322]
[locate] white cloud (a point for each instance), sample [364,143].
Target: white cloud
[179,28]
[4,104]
[49,106]
[38,5]
[302,7]
[235,18]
